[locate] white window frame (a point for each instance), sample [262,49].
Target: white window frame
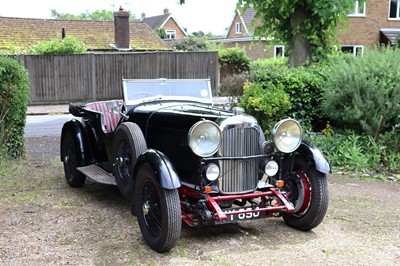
[358,50]
[238,27]
[356,9]
[397,17]
[275,51]
[171,34]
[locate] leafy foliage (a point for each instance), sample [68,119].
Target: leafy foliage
[191,44]
[267,102]
[161,32]
[302,85]
[95,15]
[14,97]
[315,20]
[355,152]
[363,93]
[68,45]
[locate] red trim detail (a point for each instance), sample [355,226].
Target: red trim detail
[307,192]
[283,205]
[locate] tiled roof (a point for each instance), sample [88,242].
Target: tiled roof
[156,21]
[247,18]
[97,35]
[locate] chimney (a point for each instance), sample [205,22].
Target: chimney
[121,28]
[63,34]
[143,15]
[166,11]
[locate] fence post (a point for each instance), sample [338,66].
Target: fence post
[93,71]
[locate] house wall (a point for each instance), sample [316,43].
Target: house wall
[171,25]
[366,30]
[232,30]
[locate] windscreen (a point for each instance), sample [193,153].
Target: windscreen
[141,89]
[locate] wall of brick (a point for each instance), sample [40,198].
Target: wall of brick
[366,30]
[171,25]
[232,31]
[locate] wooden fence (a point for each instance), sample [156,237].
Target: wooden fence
[97,76]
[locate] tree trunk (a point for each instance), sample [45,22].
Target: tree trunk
[300,47]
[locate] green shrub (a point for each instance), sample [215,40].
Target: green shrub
[302,85]
[190,44]
[233,60]
[363,93]
[353,152]
[68,45]
[266,102]
[14,97]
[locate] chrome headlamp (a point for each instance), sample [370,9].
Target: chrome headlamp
[204,138]
[287,135]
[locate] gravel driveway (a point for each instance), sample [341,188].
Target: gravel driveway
[45,222]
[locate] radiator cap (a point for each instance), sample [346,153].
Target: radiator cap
[238,111]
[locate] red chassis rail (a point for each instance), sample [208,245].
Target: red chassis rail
[282,204]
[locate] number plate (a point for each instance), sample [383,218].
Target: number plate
[254,214]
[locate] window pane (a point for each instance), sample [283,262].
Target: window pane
[394,7]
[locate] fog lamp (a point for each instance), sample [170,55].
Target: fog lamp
[271,168]
[212,172]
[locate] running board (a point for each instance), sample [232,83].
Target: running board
[98,174]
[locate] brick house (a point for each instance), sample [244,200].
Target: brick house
[167,22]
[240,33]
[118,35]
[378,22]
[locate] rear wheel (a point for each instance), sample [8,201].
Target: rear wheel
[307,189]
[72,160]
[128,144]
[158,211]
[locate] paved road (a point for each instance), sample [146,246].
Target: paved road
[45,125]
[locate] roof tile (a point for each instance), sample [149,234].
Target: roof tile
[96,35]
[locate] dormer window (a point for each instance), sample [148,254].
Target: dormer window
[238,27]
[359,9]
[394,9]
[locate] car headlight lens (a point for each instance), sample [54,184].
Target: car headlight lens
[287,135]
[204,138]
[271,168]
[212,172]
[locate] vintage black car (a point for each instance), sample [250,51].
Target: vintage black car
[177,158]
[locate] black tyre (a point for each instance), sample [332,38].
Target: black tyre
[158,211]
[307,189]
[128,144]
[72,159]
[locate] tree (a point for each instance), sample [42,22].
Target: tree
[308,27]
[95,15]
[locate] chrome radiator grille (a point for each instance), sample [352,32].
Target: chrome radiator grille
[239,176]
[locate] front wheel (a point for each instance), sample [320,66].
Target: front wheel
[307,189]
[158,211]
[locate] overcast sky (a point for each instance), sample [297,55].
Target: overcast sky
[206,15]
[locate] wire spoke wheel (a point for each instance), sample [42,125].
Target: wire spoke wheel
[128,144]
[158,211]
[307,189]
